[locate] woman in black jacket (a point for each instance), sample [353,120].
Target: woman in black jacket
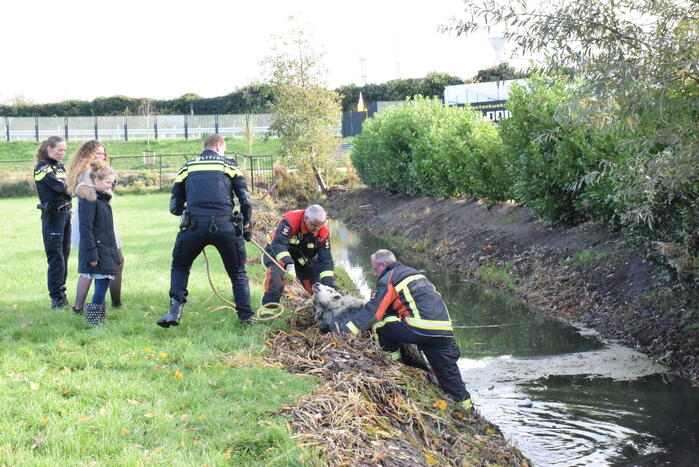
[50,179]
[98,256]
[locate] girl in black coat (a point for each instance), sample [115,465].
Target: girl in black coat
[98,256]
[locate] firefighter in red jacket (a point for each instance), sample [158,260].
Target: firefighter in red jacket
[300,243]
[405,308]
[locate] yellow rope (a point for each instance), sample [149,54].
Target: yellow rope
[231,306]
[274,261]
[216,292]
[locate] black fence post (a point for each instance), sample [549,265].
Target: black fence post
[65,127]
[186,127]
[36,127]
[270,169]
[155,129]
[161,166]
[252,171]
[7,128]
[216,124]
[126,128]
[97,133]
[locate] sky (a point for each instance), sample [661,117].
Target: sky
[82,49]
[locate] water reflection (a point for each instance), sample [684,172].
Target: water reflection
[646,421]
[558,393]
[488,323]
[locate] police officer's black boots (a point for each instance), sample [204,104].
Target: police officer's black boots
[59,302]
[95,313]
[172,318]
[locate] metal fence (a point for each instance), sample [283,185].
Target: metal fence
[151,170]
[134,127]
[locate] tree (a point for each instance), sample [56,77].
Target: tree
[621,47]
[305,113]
[146,110]
[501,72]
[433,84]
[638,61]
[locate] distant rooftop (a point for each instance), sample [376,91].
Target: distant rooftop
[478,92]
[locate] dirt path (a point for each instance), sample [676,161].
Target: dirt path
[584,274]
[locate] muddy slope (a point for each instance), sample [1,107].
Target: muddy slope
[583,274]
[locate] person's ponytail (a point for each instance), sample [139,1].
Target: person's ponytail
[42,151]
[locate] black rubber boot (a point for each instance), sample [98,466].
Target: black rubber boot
[173,317]
[60,302]
[95,313]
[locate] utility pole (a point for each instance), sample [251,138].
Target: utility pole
[362,65]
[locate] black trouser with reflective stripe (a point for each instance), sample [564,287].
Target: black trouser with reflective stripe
[55,228]
[225,238]
[442,354]
[274,281]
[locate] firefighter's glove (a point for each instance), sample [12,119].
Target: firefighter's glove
[290,273]
[247,234]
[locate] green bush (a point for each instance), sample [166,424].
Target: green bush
[558,157]
[476,157]
[426,148]
[17,186]
[382,153]
[659,186]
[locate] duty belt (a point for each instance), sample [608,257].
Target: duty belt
[213,219]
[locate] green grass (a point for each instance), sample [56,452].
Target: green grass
[130,392]
[496,275]
[25,150]
[583,258]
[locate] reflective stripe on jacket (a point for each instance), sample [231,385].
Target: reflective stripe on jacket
[206,184]
[50,180]
[404,294]
[290,241]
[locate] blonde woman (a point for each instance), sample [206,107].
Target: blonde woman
[91,155]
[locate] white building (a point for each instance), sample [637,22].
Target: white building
[462,94]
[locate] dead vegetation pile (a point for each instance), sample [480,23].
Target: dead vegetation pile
[370,410]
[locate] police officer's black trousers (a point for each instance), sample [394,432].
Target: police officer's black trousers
[230,245]
[55,228]
[442,354]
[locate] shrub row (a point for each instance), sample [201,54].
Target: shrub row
[254,98]
[429,149]
[544,156]
[556,156]
[552,155]
[15,186]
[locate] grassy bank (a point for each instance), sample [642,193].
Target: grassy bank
[129,392]
[137,173]
[25,150]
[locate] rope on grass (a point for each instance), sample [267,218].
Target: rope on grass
[229,305]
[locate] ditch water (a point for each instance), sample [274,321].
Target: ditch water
[561,394]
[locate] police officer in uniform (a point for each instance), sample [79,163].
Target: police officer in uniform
[54,198]
[203,196]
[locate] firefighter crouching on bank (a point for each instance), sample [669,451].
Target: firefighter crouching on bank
[300,243]
[54,199]
[406,308]
[203,196]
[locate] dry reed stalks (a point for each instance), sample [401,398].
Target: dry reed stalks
[373,411]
